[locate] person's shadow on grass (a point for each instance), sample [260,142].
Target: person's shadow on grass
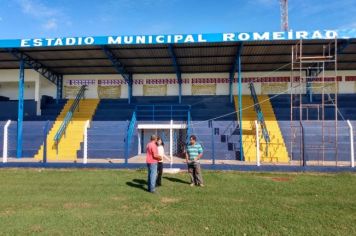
[176,180]
[138,183]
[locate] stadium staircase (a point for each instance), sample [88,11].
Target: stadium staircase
[70,142]
[275,151]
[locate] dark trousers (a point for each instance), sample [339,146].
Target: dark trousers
[159,174]
[194,171]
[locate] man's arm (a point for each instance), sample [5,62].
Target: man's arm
[155,155]
[186,157]
[200,151]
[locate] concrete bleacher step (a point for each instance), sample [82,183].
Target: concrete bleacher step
[277,152]
[70,142]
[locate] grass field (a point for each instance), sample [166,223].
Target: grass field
[113,202]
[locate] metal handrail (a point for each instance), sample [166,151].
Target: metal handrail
[69,115]
[260,116]
[189,128]
[129,135]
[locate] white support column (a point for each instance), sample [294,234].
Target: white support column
[139,142]
[85,149]
[37,95]
[171,143]
[352,156]
[258,162]
[5,144]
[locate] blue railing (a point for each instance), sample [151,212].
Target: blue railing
[130,132]
[260,116]
[189,127]
[162,112]
[62,129]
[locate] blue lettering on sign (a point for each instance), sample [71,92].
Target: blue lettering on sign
[177,38]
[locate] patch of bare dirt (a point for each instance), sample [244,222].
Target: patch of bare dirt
[169,200]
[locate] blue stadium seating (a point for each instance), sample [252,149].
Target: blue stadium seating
[313,140]
[109,126]
[33,125]
[346,105]
[33,136]
[224,136]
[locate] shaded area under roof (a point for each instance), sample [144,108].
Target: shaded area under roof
[191,58]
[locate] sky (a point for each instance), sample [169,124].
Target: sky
[60,18]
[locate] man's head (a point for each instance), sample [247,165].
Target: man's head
[153,137]
[192,139]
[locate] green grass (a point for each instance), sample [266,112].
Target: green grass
[113,202]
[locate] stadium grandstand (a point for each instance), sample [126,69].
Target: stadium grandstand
[283,98]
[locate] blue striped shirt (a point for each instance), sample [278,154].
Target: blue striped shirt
[194,150]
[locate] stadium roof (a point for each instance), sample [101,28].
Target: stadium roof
[161,53]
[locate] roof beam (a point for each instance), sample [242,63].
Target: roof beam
[176,69]
[119,67]
[37,66]
[339,50]
[238,54]
[175,63]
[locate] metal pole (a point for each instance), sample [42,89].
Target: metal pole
[171,143]
[230,85]
[352,156]
[240,101]
[45,131]
[85,151]
[302,143]
[20,109]
[212,142]
[336,104]
[258,157]
[5,143]
[180,89]
[130,84]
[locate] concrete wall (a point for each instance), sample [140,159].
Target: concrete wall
[34,82]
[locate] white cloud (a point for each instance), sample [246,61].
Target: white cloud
[37,9]
[46,15]
[51,24]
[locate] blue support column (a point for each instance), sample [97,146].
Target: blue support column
[309,85]
[20,108]
[240,105]
[59,85]
[177,70]
[231,81]
[130,84]
[237,65]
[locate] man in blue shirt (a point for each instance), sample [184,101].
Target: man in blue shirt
[193,153]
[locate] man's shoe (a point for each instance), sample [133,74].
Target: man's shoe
[202,185]
[192,185]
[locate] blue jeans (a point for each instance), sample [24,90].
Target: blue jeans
[152,176]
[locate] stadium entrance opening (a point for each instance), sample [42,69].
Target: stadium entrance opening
[173,135]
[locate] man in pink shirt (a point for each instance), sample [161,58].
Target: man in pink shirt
[152,159]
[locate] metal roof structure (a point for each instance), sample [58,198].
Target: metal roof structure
[190,57]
